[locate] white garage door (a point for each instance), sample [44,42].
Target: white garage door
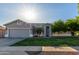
[19,33]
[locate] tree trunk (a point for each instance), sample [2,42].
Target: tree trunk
[72,33]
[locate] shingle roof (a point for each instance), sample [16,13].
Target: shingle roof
[23,21]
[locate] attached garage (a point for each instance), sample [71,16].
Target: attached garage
[18,29]
[19,33]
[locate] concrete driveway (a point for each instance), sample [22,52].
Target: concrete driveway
[9,41]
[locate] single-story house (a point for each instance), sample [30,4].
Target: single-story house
[2,31]
[19,28]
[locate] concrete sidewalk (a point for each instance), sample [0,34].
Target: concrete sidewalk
[21,50]
[41,50]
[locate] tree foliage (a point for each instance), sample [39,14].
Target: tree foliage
[58,26]
[71,25]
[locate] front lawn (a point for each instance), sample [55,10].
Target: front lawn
[66,41]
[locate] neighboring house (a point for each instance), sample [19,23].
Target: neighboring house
[2,32]
[19,28]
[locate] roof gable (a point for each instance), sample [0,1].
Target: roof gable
[17,24]
[18,20]
[15,21]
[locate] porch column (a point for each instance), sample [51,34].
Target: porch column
[9,33]
[47,30]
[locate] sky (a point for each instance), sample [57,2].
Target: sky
[47,12]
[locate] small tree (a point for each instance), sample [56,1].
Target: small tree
[37,30]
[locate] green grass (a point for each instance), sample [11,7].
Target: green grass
[66,41]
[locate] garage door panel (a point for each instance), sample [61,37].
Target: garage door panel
[19,33]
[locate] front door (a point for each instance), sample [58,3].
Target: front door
[47,31]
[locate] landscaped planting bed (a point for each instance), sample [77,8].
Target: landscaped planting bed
[53,41]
